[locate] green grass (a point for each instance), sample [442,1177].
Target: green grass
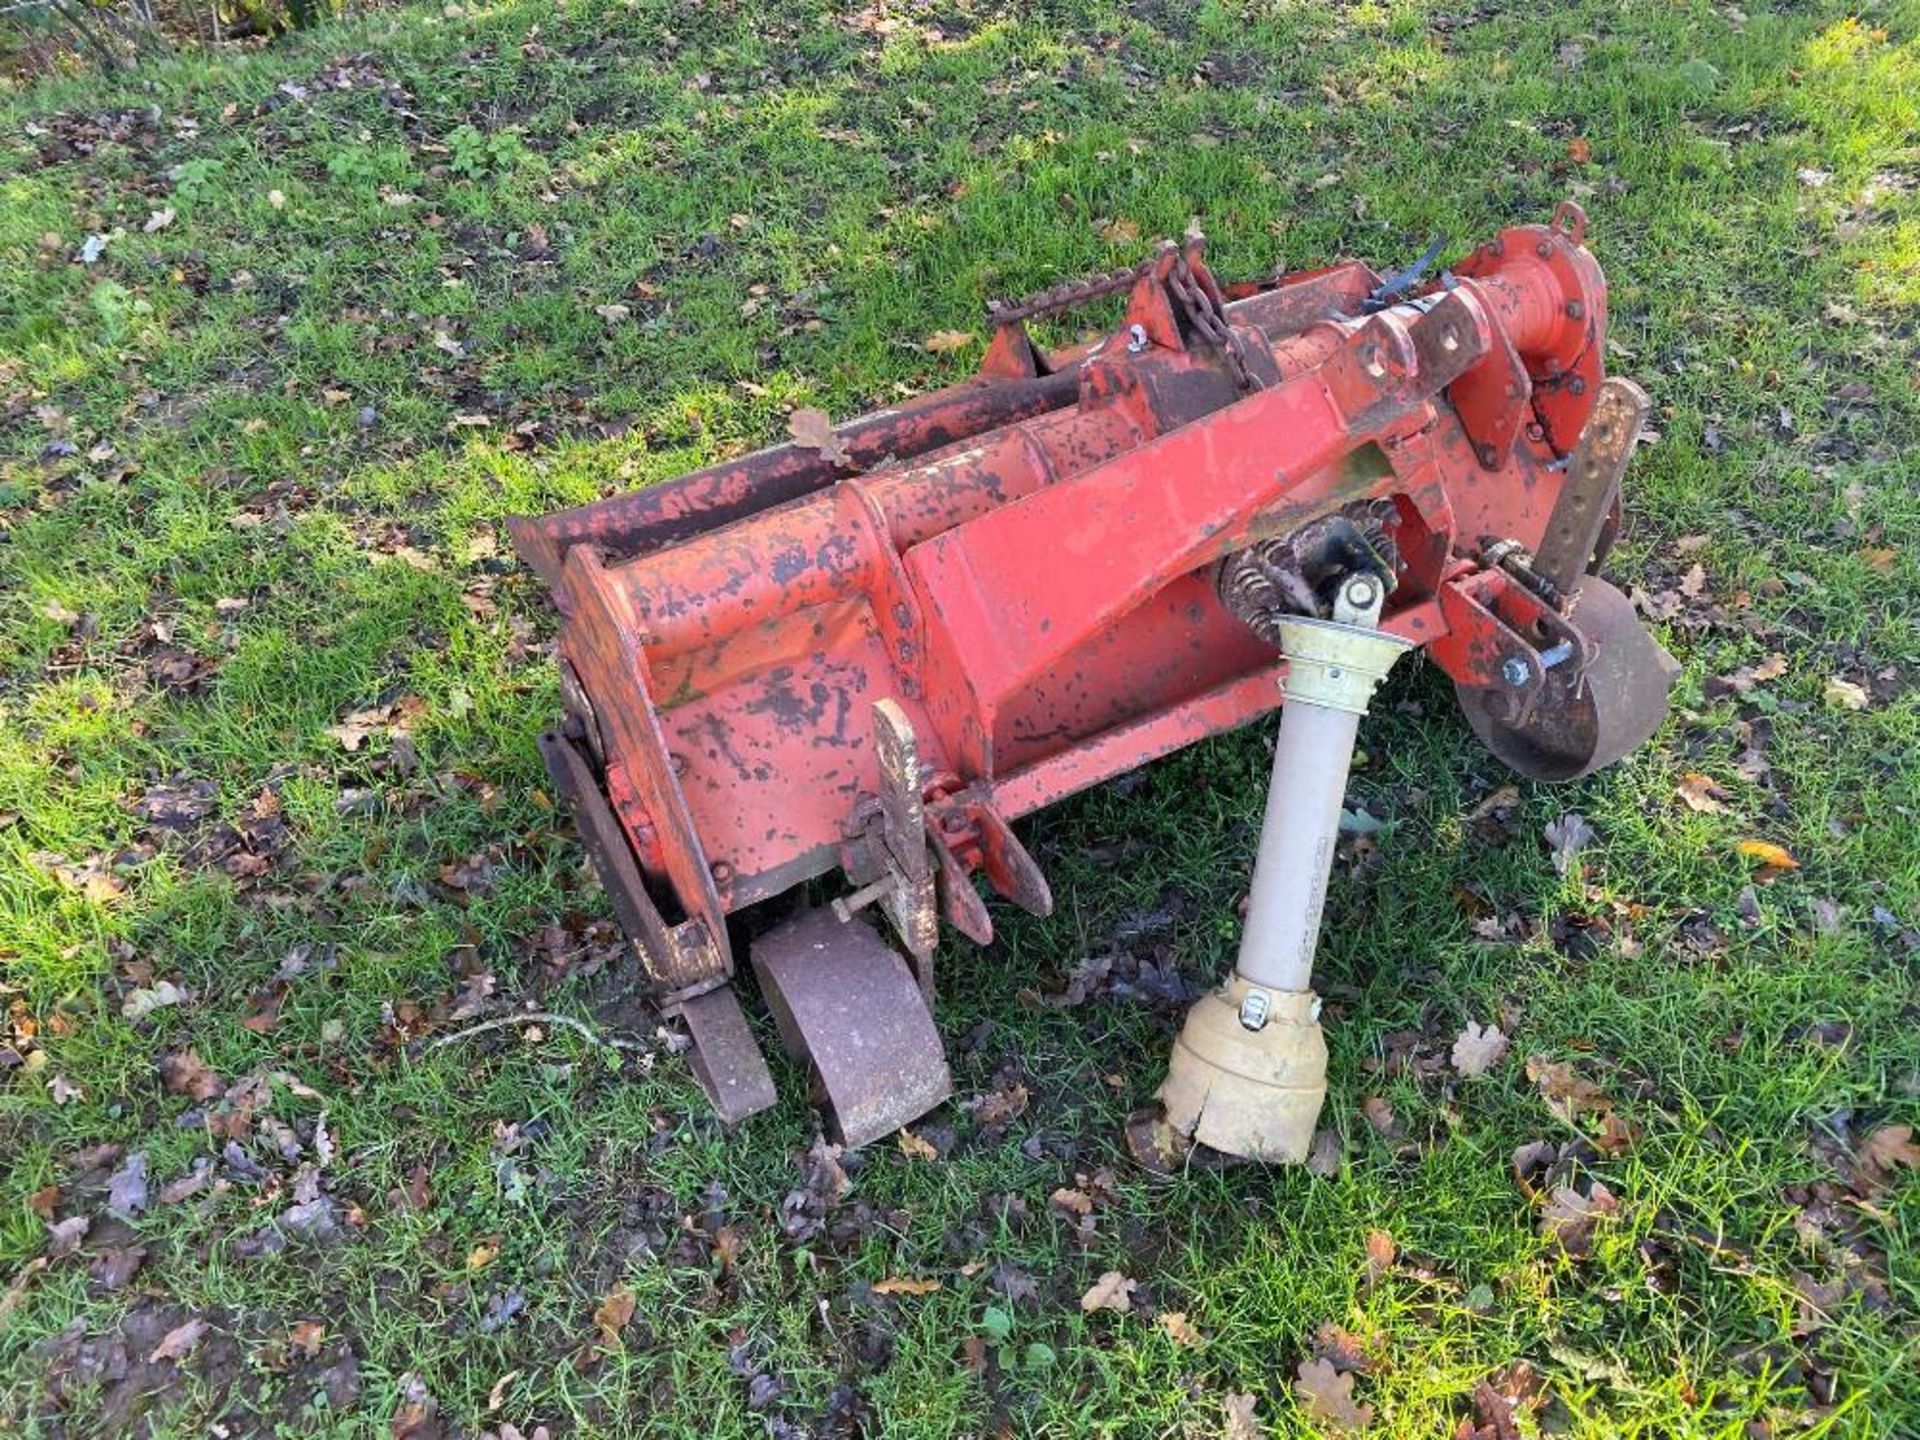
[789,199]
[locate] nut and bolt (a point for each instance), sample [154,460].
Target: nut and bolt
[1136,339]
[1575,310]
[1254,1008]
[1515,671]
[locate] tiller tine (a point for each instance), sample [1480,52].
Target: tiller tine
[850,1010]
[859,657]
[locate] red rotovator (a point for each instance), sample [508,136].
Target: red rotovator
[868,655]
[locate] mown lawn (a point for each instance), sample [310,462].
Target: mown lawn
[283,336]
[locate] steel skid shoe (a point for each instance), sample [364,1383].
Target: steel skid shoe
[850,1010]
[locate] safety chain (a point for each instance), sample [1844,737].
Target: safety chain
[1202,308]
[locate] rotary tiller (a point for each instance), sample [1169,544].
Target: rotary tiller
[865,653]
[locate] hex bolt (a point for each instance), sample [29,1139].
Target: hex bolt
[1515,671]
[1536,431]
[1576,386]
[1136,339]
[1254,1009]
[721,871]
[1544,250]
[1575,310]
[1556,655]
[1362,591]
[1487,456]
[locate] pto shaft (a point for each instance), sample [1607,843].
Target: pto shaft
[1249,1070]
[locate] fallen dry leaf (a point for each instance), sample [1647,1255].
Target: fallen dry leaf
[1890,1146]
[1341,1348]
[1243,1418]
[417,1417]
[1379,1113]
[178,1342]
[185,1073]
[1845,695]
[65,1237]
[610,1317]
[1768,853]
[1381,1253]
[1566,1092]
[307,1336]
[1154,1144]
[1477,1050]
[1702,794]
[18,1286]
[93,878]
[127,1187]
[943,341]
[1567,836]
[1180,1329]
[1617,1134]
[394,719]
[140,1003]
[905,1285]
[1570,1217]
[1112,1291]
[911,1144]
[483,1255]
[1324,1159]
[812,430]
[999,1106]
[497,1396]
[1327,1395]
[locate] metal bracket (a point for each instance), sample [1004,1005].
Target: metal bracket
[889,861]
[1594,472]
[1503,639]
[966,828]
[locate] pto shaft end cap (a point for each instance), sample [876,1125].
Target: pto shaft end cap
[1255,1093]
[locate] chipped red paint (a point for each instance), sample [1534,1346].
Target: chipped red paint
[1024,563]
